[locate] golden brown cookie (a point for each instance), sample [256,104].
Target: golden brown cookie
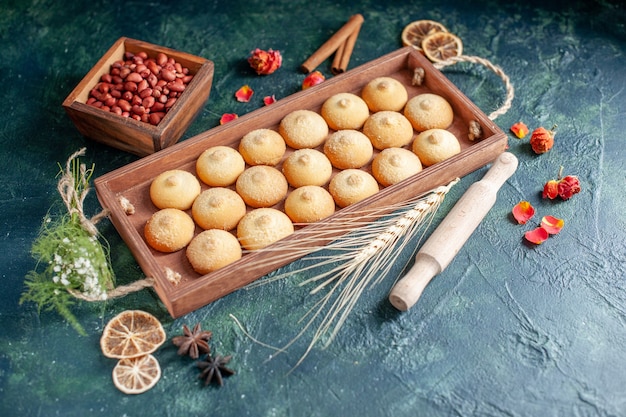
[218,208]
[435,145]
[348,149]
[429,111]
[307,167]
[345,111]
[309,204]
[219,166]
[384,93]
[303,129]
[262,186]
[262,147]
[174,189]
[388,129]
[212,250]
[393,165]
[262,227]
[169,230]
[351,186]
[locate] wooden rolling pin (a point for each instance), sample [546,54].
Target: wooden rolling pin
[448,238]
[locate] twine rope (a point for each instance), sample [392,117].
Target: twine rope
[510,91]
[74,200]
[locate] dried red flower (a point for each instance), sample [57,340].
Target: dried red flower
[519,129]
[228,117]
[537,236]
[265,62]
[542,140]
[568,186]
[244,94]
[312,79]
[551,189]
[523,211]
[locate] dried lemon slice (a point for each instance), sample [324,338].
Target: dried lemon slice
[442,45]
[131,334]
[136,375]
[415,32]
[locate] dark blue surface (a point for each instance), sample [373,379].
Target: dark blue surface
[506,330]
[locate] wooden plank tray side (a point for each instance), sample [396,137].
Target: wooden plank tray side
[194,291]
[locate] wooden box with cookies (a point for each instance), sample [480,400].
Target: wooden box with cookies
[239,194]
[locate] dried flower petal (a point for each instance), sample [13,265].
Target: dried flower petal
[568,186]
[551,224]
[228,117]
[519,129]
[523,211]
[244,94]
[551,189]
[265,62]
[536,236]
[267,100]
[312,79]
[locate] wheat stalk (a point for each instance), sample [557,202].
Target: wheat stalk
[358,260]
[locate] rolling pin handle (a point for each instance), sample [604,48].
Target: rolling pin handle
[409,289]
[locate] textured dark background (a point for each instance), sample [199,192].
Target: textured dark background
[506,330]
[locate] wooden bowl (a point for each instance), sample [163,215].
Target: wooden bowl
[137,137]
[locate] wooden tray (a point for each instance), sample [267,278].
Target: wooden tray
[193,290]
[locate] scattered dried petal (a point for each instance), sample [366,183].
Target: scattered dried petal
[542,140]
[244,94]
[568,186]
[228,117]
[552,225]
[267,100]
[519,129]
[312,79]
[265,62]
[551,189]
[523,211]
[536,236]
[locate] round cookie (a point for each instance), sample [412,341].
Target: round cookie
[169,230]
[435,145]
[174,189]
[309,204]
[262,147]
[212,250]
[303,129]
[262,227]
[348,149]
[262,186]
[384,93]
[351,186]
[388,129]
[429,111]
[218,208]
[307,167]
[345,111]
[219,166]
[393,165]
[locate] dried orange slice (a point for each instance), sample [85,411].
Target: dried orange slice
[415,32]
[131,334]
[136,375]
[441,46]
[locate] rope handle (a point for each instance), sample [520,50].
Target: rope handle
[510,91]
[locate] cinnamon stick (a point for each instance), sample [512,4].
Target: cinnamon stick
[344,52]
[332,44]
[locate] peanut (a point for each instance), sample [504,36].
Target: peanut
[141,87]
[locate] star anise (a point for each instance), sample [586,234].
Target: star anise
[193,341]
[214,368]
